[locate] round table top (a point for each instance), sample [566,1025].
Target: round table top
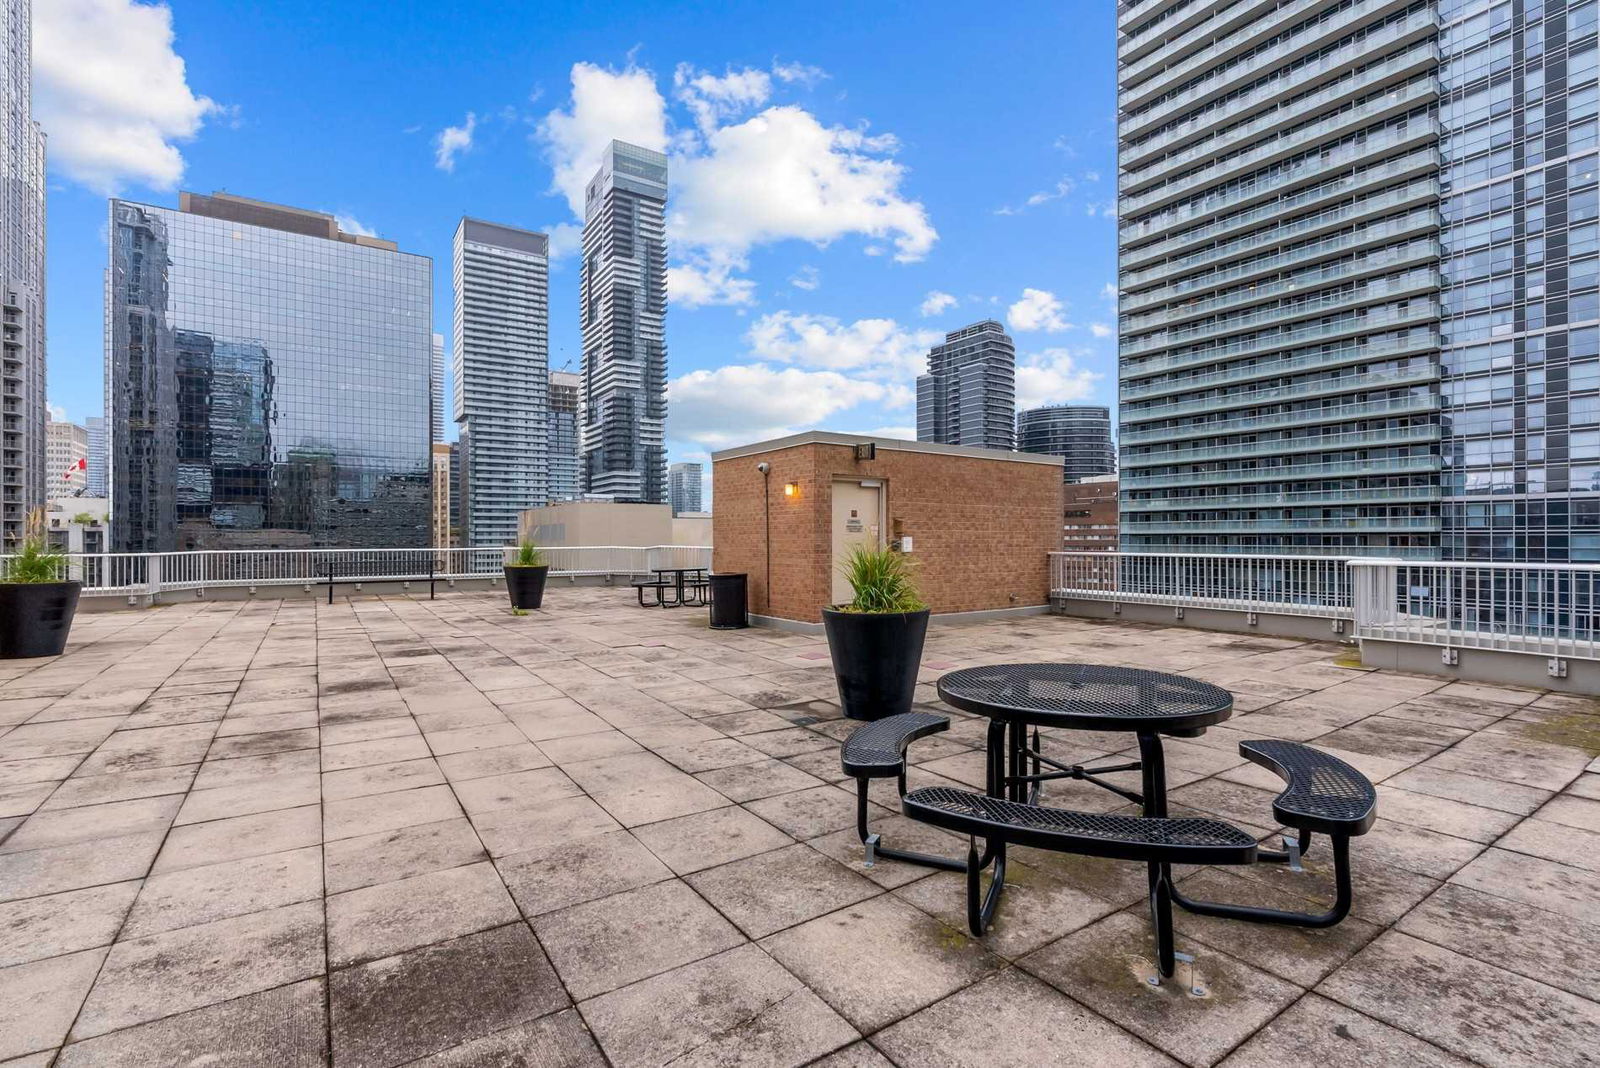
[1087,697]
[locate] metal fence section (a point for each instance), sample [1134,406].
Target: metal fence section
[1543,609]
[1286,585]
[150,574]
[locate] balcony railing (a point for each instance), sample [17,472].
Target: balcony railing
[1370,348]
[151,574]
[1547,610]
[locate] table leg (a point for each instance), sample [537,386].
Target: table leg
[1153,776]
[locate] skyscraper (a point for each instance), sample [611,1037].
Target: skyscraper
[266,380]
[1358,275]
[1279,275]
[565,484]
[623,298]
[1520,363]
[684,483]
[22,383]
[969,395]
[440,454]
[502,369]
[1079,433]
[95,481]
[436,402]
[66,459]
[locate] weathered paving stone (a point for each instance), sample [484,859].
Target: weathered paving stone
[705,839]
[1039,908]
[232,888]
[558,1041]
[1439,995]
[1315,1030]
[607,943]
[381,779]
[1105,967]
[880,960]
[39,1000]
[573,872]
[766,893]
[39,927]
[162,975]
[400,1008]
[386,856]
[738,1007]
[238,837]
[1011,1019]
[281,1028]
[750,782]
[389,918]
[71,867]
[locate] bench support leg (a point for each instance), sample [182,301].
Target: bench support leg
[874,842]
[981,906]
[1340,909]
[1161,915]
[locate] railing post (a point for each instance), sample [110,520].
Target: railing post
[1372,591]
[152,576]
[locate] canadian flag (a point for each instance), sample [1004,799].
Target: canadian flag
[81,465]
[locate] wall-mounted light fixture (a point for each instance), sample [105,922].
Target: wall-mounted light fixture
[791,489]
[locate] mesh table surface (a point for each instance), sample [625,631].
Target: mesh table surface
[1087,697]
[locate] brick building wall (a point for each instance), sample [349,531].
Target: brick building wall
[1089,516]
[981,522]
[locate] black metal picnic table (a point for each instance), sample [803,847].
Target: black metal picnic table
[1084,697]
[677,583]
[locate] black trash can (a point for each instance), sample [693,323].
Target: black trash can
[728,601]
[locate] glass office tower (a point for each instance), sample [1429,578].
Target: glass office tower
[623,305]
[1279,276]
[267,380]
[1521,368]
[1078,433]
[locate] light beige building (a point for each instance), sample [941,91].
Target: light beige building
[77,524]
[441,495]
[66,453]
[612,523]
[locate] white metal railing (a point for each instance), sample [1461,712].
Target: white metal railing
[1544,609]
[1283,585]
[135,574]
[1550,610]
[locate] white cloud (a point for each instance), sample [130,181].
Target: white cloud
[55,412]
[565,239]
[738,181]
[936,302]
[453,141]
[713,99]
[1039,309]
[112,94]
[606,105]
[1100,330]
[701,280]
[874,348]
[807,278]
[799,73]
[1108,293]
[352,225]
[741,403]
[1053,377]
[783,175]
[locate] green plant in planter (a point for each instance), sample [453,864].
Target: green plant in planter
[528,555]
[883,581]
[34,561]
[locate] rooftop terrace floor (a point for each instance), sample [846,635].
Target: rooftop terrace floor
[394,831]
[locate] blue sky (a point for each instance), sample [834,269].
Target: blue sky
[848,181]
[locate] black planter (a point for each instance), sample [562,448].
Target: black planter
[526,585]
[875,659]
[35,617]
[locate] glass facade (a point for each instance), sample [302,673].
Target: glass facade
[266,387]
[969,395]
[565,484]
[1279,277]
[1521,356]
[684,487]
[622,412]
[1078,433]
